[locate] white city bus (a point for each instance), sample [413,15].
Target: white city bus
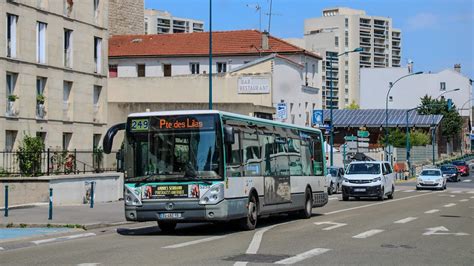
[209,166]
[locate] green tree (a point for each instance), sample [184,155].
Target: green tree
[397,138]
[29,155]
[452,122]
[353,106]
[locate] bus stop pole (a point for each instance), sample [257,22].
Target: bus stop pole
[50,216]
[6,200]
[92,194]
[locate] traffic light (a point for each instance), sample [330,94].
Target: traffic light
[450,104]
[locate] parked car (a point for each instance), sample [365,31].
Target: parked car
[334,178]
[368,179]
[431,178]
[463,168]
[450,172]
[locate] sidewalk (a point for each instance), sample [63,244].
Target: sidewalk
[102,215]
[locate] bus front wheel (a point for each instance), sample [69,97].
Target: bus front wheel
[166,227]
[307,212]
[250,222]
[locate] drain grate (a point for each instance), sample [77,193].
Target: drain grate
[257,258]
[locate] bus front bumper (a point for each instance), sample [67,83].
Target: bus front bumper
[185,211]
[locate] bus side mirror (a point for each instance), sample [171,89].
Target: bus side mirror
[109,137]
[229,135]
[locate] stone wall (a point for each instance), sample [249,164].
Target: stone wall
[126,17]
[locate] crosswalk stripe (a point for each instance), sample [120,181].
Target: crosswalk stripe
[449,205]
[467,180]
[49,240]
[406,220]
[303,256]
[368,233]
[464,200]
[195,242]
[432,211]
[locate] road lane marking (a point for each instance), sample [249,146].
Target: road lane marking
[368,233]
[335,225]
[457,191]
[303,256]
[378,203]
[240,263]
[333,198]
[88,264]
[467,180]
[449,205]
[471,197]
[444,231]
[410,190]
[1,249]
[424,191]
[471,192]
[464,200]
[194,242]
[49,240]
[406,220]
[432,211]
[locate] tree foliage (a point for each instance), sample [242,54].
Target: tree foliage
[452,122]
[353,106]
[29,155]
[397,138]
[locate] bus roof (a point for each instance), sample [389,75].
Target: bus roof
[224,114]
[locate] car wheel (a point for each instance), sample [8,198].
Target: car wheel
[382,195]
[444,187]
[307,212]
[167,227]
[337,189]
[417,188]
[345,197]
[390,196]
[250,222]
[331,188]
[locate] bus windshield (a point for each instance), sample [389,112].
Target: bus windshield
[178,148]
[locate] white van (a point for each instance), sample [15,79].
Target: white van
[368,179]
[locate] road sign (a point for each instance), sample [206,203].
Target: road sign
[363,133]
[281,111]
[318,118]
[363,144]
[362,150]
[363,139]
[350,138]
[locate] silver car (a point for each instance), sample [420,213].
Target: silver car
[335,177]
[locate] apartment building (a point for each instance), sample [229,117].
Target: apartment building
[341,30]
[126,17]
[53,72]
[162,22]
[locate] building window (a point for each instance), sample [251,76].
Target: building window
[146,27]
[40,98]
[346,39]
[346,21]
[68,4]
[221,67]
[98,54]
[96,99]
[11,96]
[336,41]
[96,140]
[41,42]
[41,135]
[442,86]
[141,70]
[167,70]
[10,137]
[67,87]
[12,20]
[194,67]
[113,71]
[96,10]
[67,136]
[67,48]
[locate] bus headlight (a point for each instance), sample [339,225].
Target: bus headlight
[131,198]
[214,195]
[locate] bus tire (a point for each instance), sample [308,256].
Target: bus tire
[307,211]
[250,222]
[167,227]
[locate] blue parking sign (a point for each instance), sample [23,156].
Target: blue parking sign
[318,118]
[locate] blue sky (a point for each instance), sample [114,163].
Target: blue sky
[436,34]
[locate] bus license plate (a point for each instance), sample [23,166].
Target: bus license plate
[170,215]
[359,189]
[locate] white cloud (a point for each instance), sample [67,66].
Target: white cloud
[422,21]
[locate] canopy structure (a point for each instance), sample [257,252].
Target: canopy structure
[376,118]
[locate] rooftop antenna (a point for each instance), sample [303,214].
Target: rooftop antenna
[258,9]
[270,14]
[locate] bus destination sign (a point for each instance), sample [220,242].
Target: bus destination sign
[183,123]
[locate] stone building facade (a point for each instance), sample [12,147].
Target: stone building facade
[126,17]
[53,61]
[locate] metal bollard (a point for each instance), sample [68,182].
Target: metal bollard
[6,200]
[50,217]
[92,194]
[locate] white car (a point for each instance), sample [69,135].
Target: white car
[431,178]
[368,179]
[334,179]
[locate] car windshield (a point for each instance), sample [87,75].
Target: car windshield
[448,168]
[459,163]
[177,152]
[364,168]
[430,173]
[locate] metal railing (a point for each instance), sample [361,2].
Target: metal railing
[52,162]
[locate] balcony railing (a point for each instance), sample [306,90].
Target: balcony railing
[40,111]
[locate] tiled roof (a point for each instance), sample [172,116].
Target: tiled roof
[240,42]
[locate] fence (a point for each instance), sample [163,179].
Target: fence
[52,162]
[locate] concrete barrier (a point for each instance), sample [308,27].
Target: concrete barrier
[67,189]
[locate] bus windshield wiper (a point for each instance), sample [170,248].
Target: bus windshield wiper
[195,178]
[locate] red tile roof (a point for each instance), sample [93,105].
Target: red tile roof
[240,42]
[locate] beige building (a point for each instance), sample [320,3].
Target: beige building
[53,61]
[341,30]
[162,22]
[125,16]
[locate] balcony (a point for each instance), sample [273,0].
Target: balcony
[40,111]
[12,110]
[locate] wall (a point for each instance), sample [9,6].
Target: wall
[126,17]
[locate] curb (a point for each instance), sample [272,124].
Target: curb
[89,226]
[25,206]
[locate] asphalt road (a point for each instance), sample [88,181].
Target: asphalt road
[417,227]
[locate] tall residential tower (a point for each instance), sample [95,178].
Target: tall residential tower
[162,22]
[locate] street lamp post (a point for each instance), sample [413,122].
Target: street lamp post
[390,86]
[210,54]
[359,49]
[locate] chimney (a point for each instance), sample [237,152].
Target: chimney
[410,66]
[265,40]
[457,68]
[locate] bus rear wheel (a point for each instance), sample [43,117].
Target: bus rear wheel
[250,222]
[167,227]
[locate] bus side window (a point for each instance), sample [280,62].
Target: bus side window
[318,165]
[233,157]
[306,157]
[251,154]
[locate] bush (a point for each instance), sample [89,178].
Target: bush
[29,155]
